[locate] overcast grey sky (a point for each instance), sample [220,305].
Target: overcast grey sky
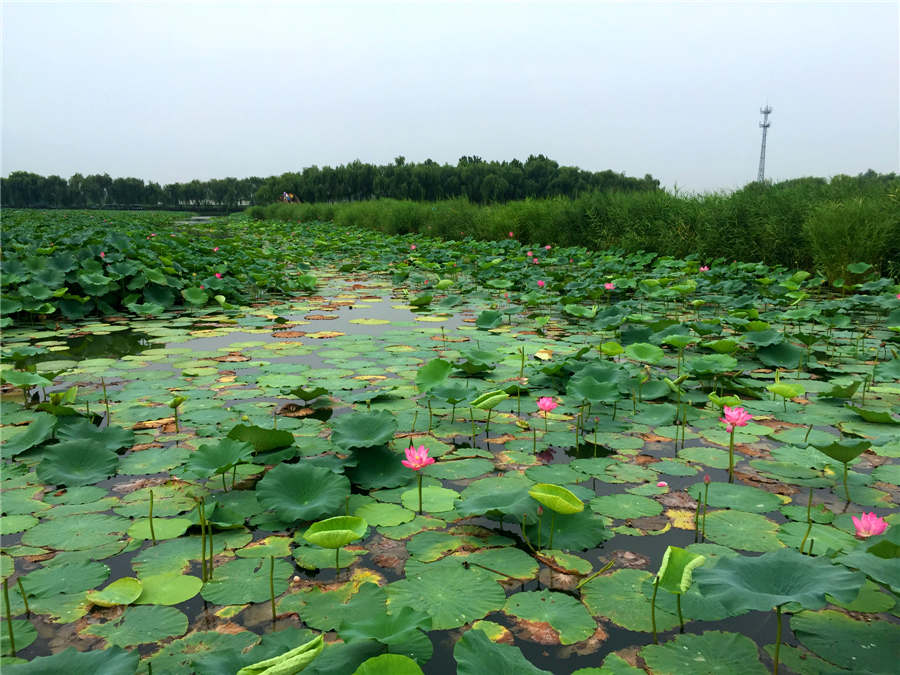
[176,91]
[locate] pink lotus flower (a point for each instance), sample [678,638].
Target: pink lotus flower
[534,260]
[412,247]
[541,283]
[546,403]
[609,285]
[705,268]
[216,248]
[706,479]
[172,235]
[218,275]
[868,525]
[102,254]
[547,247]
[202,287]
[510,234]
[417,458]
[735,417]
[153,234]
[529,254]
[662,483]
[898,296]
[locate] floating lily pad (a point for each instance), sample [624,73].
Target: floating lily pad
[475,654]
[140,625]
[122,591]
[741,530]
[565,614]
[245,580]
[712,653]
[845,642]
[168,589]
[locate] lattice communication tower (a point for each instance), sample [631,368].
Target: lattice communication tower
[765,124]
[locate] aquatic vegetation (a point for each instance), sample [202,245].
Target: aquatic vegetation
[308,407]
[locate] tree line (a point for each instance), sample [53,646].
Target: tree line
[477,180]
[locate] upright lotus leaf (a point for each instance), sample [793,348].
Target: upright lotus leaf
[76,463]
[782,355]
[676,569]
[306,395]
[336,532]
[875,416]
[40,429]
[195,296]
[489,400]
[711,364]
[592,390]
[845,451]
[453,393]
[432,374]
[260,438]
[488,319]
[302,491]
[556,498]
[110,438]
[475,654]
[400,631]
[212,460]
[422,300]
[776,578]
[364,429]
[477,361]
[22,378]
[645,352]
[291,661]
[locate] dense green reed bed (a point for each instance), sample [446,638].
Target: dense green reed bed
[621,445]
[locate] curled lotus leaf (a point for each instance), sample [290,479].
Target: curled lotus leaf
[556,498]
[336,532]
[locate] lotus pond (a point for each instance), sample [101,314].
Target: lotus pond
[222,440]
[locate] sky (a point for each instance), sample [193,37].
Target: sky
[182,90]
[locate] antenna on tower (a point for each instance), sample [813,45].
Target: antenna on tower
[765,124]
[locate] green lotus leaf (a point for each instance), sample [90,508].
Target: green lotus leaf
[844,450]
[862,646]
[212,460]
[763,338]
[679,341]
[488,319]
[140,625]
[776,578]
[782,355]
[75,463]
[245,580]
[475,361]
[21,378]
[711,364]
[451,392]
[451,594]
[260,438]
[336,532]
[556,498]
[110,661]
[122,591]
[309,394]
[876,416]
[389,664]
[645,352]
[66,577]
[195,296]
[565,614]
[168,589]
[475,654]
[676,569]
[40,429]
[723,346]
[302,491]
[364,429]
[292,661]
[712,653]
[399,631]
[421,300]
[110,438]
[589,389]
[489,400]
[737,496]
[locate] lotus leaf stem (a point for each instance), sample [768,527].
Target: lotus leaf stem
[808,520]
[415,417]
[209,531]
[105,400]
[697,520]
[429,415]
[705,505]
[595,574]
[846,489]
[777,639]
[472,415]
[487,426]
[420,493]
[731,457]
[224,487]
[524,535]
[653,610]
[272,585]
[534,440]
[805,438]
[9,627]
[337,560]
[202,540]
[233,475]
[466,563]
[539,524]
[680,617]
[152,531]
[24,596]
[552,527]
